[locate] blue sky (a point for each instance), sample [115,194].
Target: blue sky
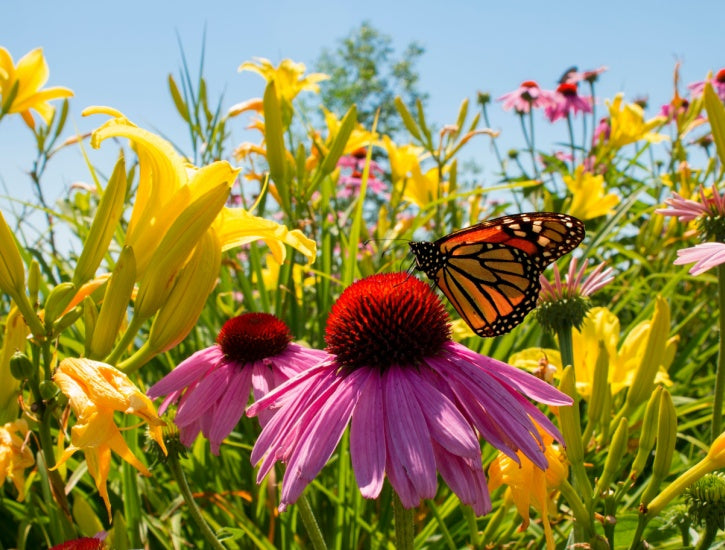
[121,55]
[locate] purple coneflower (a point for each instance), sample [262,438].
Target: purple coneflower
[567,100]
[565,304]
[253,351]
[526,97]
[591,76]
[718,83]
[704,256]
[688,210]
[416,402]
[354,164]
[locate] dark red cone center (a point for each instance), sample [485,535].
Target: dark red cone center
[384,320]
[253,336]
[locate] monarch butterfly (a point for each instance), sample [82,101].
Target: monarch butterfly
[490,271]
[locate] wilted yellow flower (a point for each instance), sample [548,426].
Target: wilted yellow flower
[627,124]
[288,76]
[601,325]
[528,485]
[25,80]
[588,200]
[95,390]
[15,456]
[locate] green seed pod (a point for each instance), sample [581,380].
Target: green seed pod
[48,390]
[20,366]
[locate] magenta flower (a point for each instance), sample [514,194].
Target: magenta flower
[416,402]
[566,100]
[704,255]
[526,97]
[601,131]
[253,351]
[718,83]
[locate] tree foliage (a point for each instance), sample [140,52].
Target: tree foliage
[365,69]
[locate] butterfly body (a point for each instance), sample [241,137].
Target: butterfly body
[490,271]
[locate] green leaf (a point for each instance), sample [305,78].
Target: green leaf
[274,137]
[338,145]
[716,115]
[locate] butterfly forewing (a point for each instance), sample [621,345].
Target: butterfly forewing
[490,271]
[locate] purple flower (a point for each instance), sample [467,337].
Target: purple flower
[526,97]
[253,351]
[591,76]
[688,210]
[416,402]
[567,100]
[354,165]
[575,284]
[718,83]
[705,256]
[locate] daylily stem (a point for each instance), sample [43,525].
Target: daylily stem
[404,530]
[720,376]
[178,473]
[311,525]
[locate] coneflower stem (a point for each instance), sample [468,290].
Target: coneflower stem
[178,473]
[720,375]
[404,531]
[310,522]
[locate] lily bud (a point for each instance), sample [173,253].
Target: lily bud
[665,449]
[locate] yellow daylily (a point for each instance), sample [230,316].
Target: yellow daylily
[422,189]
[288,76]
[627,124]
[402,158]
[528,485]
[15,455]
[25,80]
[14,339]
[359,138]
[601,325]
[95,390]
[168,186]
[588,199]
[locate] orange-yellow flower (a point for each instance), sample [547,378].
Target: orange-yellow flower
[25,80]
[95,391]
[588,198]
[288,76]
[528,485]
[15,456]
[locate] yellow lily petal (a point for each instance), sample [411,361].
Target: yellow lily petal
[236,227]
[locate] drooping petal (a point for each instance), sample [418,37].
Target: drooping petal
[230,407]
[367,437]
[409,440]
[468,482]
[204,396]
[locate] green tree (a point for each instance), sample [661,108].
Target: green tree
[364,69]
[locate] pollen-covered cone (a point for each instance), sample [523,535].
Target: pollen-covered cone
[95,390]
[529,485]
[15,455]
[25,80]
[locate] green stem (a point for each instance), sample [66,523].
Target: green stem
[476,539]
[571,141]
[532,147]
[708,537]
[580,512]
[125,340]
[720,376]
[178,473]
[404,530]
[310,523]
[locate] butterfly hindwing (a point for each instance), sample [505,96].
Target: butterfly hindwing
[490,271]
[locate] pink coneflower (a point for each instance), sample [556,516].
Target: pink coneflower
[563,305]
[575,284]
[718,83]
[526,97]
[350,181]
[688,210]
[253,351]
[704,256]
[602,131]
[416,402]
[591,76]
[567,100]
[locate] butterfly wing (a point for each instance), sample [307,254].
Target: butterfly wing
[490,271]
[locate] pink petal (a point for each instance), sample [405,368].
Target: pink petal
[467,482]
[186,372]
[367,437]
[230,408]
[409,440]
[203,396]
[706,256]
[319,438]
